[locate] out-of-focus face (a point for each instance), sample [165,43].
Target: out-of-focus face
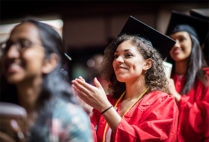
[183,47]
[128,63]
[24,54]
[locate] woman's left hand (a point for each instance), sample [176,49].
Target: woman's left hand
[172,90]
[93,95]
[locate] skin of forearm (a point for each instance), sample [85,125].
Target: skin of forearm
[112,118]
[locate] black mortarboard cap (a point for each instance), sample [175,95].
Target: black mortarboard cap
[193,25]
[203,14]
[160,42]
[200,13]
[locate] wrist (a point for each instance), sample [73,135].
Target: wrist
[177,97]
[102,112]
[104,106]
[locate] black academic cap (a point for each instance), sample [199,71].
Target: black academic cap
[193,25]
[203,14]
[160,42]
[200,13]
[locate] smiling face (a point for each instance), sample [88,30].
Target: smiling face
[23,59]
[183,47]
[128,63]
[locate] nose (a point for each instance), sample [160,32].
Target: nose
[177,45]
[119,59]
[12,52]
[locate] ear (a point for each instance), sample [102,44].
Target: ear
[50,63]
[148,64]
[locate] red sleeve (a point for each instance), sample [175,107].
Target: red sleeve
[96,114]
[159,123]
[94,122]
[94,132]
[194,116]
[206,69]
[95,119]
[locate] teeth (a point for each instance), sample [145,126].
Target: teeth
[13,67]
[122,67]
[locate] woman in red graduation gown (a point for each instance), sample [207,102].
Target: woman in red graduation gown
[190,82]
[138,109]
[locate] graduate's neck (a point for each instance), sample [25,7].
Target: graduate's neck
[28,92]
[135,88]
[181,67]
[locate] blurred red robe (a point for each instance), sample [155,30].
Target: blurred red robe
[193,112]
[153,118]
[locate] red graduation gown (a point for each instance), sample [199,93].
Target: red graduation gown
[153,118]
[193,112]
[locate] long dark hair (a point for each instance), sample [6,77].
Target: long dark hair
[54,84]
[206,49]
[154,78]
[194,67]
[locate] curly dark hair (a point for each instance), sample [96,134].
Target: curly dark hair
[155,77]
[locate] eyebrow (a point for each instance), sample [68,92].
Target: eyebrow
[126,50]
[24,39]
[181,35]
[184,36]
[19,39]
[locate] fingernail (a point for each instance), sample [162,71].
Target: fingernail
[14,124]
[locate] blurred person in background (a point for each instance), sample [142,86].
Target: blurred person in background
[95,68]
[138,109]
[204,15]
[189,83]
[32,78]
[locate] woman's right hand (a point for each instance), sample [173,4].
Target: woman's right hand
[93,95]
[172,90]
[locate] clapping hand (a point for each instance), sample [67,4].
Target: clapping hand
[93,95]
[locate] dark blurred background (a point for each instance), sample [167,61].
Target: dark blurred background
[88,26]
